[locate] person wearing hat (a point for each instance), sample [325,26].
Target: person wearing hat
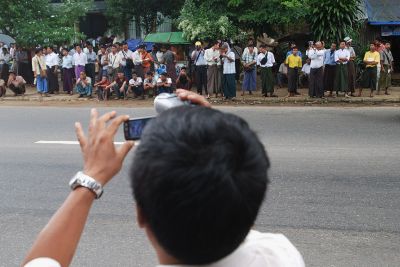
[16,84]
[200,69]
[351,66]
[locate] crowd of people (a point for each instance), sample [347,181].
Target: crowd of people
[114,71]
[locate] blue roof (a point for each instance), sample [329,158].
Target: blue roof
[134,43]
[383,12]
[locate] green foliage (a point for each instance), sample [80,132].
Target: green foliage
[205,20]
[218,19]
[332,20]
[147,13]
[37,22]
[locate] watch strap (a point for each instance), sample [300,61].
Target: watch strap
[83,180]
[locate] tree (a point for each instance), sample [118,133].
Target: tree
[220,19]
[331,20]
[37,22]
[148,14]
[205,20]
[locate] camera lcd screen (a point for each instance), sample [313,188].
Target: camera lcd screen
[134,128]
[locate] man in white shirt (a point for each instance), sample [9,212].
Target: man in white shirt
[136,86]
[52,61]
[79,60]
[90,67]
[126,62]
[200,66]
[282,74]
[113,63]
[266,60]
[212,57]
[199,178]
[342,57]
[316,54]
[229,72]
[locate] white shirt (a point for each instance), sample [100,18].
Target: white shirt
[137,58]
[136,83]
[229,66]
[114,60]
[270,60]
[169,80]
[91,57]
[283,69]
[342,53]
[306,68]
[80,59]
[52,59]
[258,250]
[246,51]
[124,55]
[67,62]
[317,58]
[210,55]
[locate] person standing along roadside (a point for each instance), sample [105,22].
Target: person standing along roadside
[39,72]
[5,59]
[90,67]
[249,61]
[316,81]
[387,68]
[294,63]
[371,61]
[68,72]
[330,70]
[266,60]
[212,57]
[351,66]
[229,72]
[200,67]
[52,61]
[79,61]
[342,57]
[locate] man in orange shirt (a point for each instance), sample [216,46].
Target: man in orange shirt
[146,59]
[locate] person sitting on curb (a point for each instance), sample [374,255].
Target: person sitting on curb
[2,88]
[164,84]
[119,86]
[136,86]
[193,211]
[149,84]
[183,81]
[84,85]
[16,84]
[102,93]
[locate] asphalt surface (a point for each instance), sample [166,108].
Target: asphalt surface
[334,192]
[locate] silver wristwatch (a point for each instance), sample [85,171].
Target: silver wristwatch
[83,180]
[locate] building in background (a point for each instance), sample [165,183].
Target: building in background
[94,24]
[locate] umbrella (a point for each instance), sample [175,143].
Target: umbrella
[6,39]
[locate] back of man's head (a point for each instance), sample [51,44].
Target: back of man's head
[199,177]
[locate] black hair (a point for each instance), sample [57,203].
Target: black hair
[149,73]
[38,50]
[263,46]
[134,73]
[50,47]
[199,177]
[295,47]
[183,68]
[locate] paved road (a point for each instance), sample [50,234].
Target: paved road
[335,185]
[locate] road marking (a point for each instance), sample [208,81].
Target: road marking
[66,142]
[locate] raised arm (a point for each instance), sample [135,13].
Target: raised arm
[102,160]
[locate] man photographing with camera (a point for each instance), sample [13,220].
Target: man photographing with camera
[199,177]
